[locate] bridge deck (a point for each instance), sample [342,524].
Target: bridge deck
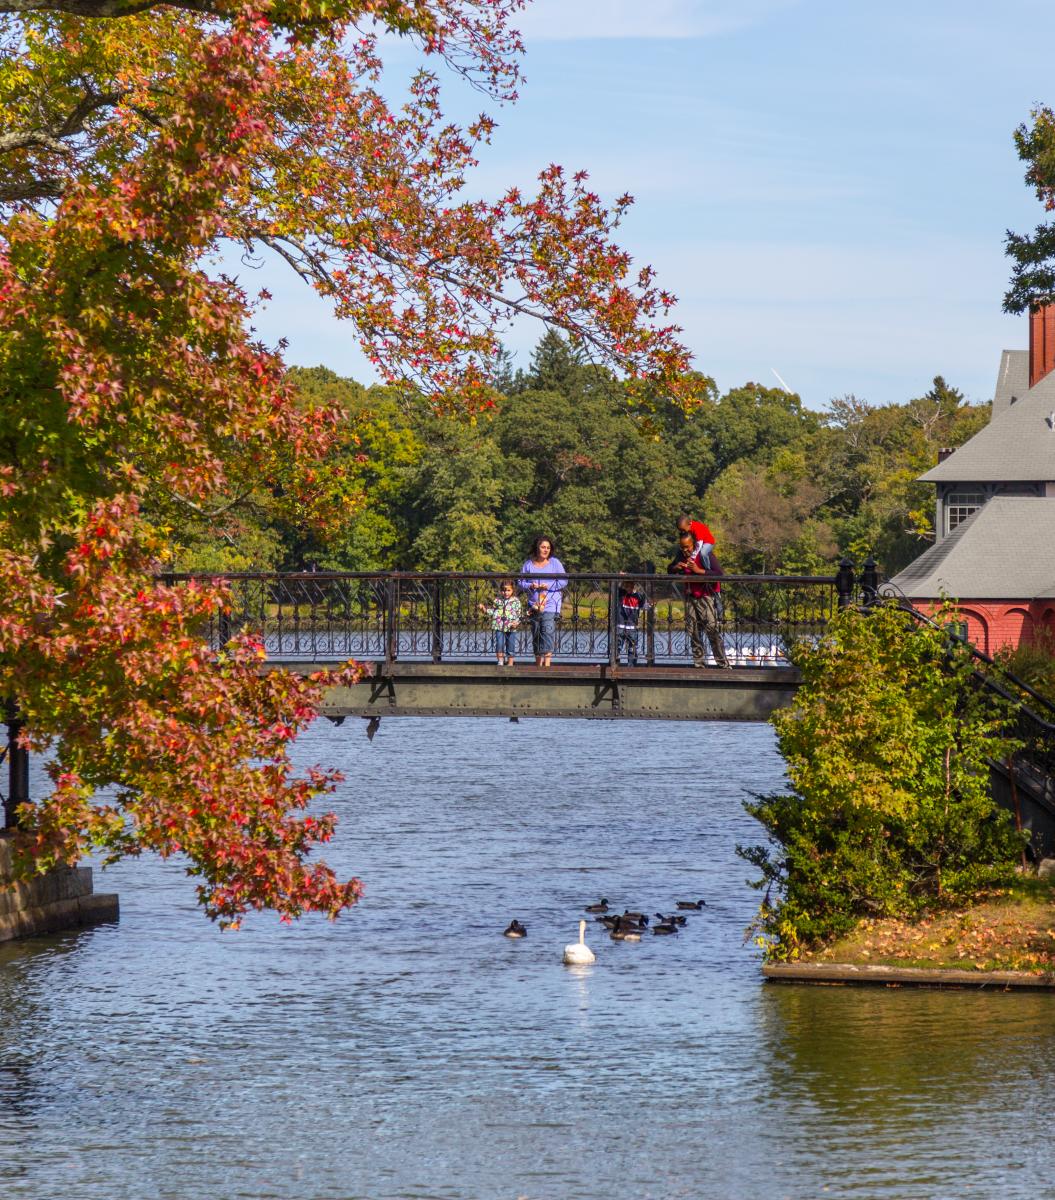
[598,691]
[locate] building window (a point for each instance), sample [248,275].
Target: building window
[959,506]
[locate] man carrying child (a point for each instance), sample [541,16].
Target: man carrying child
[701,595]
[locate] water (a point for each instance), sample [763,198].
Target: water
[411,1051]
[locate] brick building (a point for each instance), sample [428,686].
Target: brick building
[994,550]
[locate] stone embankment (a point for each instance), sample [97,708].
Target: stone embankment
[61,898]
[1005,941]
[875,975]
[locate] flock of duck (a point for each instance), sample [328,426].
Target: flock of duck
[626,926]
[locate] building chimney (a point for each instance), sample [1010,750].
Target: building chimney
[1041,342]
[944,453]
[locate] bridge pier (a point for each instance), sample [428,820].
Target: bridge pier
[61,898]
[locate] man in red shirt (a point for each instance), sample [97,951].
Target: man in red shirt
[700,600]
[702,536]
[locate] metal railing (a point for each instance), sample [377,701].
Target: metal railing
[1034,714]
[392,616]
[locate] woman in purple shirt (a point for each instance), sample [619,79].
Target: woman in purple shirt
[545,590]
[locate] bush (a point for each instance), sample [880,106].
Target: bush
[889,811]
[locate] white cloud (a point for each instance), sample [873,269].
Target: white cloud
[573,20]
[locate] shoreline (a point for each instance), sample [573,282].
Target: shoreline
[1004,941]
[836,974]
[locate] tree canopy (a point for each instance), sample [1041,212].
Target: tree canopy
[566,452]
[139,138]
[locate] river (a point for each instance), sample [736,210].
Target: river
[411,1051]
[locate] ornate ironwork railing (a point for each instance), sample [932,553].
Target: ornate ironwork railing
[1033,723]
[439,617]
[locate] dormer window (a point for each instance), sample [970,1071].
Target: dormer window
[959,506]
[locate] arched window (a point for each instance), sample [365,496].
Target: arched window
[977,629]
[1016,629]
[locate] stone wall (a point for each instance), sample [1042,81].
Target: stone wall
[62,898]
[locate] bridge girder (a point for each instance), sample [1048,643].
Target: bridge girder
[598,692]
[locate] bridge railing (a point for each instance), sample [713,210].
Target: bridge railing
[1034,714]
[324,616]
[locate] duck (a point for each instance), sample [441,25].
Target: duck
[626,931]
[516,930]
[638,918]
[697,904]
[601,906]
[663,927]
[672,919]
[578,954]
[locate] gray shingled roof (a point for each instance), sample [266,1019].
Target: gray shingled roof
[1004,551]
[1017,444]
[1012,380]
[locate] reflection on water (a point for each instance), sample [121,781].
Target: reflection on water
[949,1087]
[411,1051]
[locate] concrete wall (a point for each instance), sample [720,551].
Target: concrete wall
[62,898]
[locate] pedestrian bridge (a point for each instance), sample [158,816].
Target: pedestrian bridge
[452,689]
[427,645]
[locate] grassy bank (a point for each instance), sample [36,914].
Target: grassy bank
[1012,929]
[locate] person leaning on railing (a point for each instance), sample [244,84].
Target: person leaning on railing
[701,598]
[544,593]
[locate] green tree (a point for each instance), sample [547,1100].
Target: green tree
[1033,254]
[889,813]
[749,423]
[377,457]
[869,459]
[581,469]
[457,493]
[768,519]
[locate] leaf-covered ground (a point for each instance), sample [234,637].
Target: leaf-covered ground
[1010,930]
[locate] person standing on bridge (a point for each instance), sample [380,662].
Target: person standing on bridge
[542,580]
[632,604]
[701,599]
[505,611]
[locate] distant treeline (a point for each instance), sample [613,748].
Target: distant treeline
[784,488]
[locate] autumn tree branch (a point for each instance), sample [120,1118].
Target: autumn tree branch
[53,136]
[103,9]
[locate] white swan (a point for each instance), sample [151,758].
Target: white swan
[578,954]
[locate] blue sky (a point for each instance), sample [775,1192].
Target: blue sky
[825,185]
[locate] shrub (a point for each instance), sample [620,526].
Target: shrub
[889,811]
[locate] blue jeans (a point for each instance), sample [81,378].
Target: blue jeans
[543,632]
[506,643]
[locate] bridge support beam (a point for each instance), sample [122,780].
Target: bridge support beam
[591,691]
